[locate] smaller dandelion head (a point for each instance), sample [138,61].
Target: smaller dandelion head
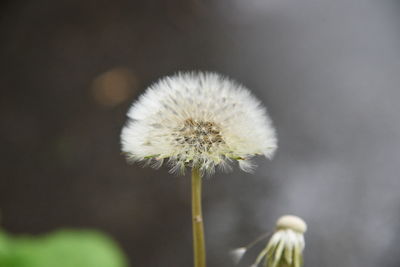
[199,120]
[286,245]
[291,222]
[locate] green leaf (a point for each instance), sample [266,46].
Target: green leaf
[65,248]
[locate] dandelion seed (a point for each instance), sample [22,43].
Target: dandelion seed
[285,248]
[237,254]
[201,120]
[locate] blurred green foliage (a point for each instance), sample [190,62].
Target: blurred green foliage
[65,248]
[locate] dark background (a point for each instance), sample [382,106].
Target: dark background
[328,71]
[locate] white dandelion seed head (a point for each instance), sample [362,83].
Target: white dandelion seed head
[198,119]
[286,245]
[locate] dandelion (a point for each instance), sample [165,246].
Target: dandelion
[201,121]
[285,248]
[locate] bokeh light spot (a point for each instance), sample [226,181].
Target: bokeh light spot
[113,87]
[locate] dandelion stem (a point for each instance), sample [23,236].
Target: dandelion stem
[197,220]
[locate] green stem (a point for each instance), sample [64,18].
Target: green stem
[197,220]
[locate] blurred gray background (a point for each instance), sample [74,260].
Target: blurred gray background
[328,71]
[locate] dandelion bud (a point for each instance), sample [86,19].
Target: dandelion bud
[286,245]
[291,222]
